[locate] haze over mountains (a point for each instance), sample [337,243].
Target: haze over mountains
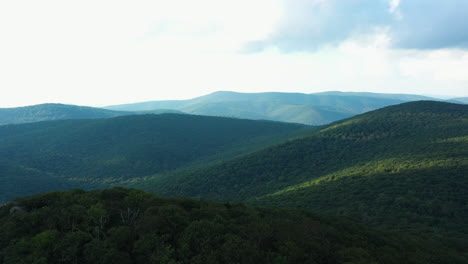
[400,168]
[260,158]
[311,109]
[461,99]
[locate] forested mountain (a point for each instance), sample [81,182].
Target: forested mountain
[269,111]
[55,155]
[400,167]
[48,112]
[121,226]
[311,109]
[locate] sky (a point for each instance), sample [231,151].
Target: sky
[106,52]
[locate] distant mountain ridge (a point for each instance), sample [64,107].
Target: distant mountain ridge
[461,99]
[310,109]
[48,112]
[403,97]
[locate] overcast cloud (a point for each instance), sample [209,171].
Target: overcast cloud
[307,25]
[431,24]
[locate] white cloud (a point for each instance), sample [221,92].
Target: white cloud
[110,52]
[439,65]
[395,11]
[394,6]
[99,52]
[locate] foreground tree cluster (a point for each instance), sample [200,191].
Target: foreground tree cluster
[129,226]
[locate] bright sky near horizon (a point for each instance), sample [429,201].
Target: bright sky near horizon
[104,52]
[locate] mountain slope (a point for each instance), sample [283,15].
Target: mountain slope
[49,112]
[46,112]
[100,152]
[311,109]
[129,226]
[265,110]
[398,167]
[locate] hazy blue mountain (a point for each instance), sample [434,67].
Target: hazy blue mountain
[268,110]
[47,112]
[402,166]
[44,156]
[403,97]
[461,99]
[148,106]
[311,109]
[158,111]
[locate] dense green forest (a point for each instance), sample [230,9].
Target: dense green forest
[53,155]
[401,170]
[311,109]
[48,112]
[122,226]
[402,167]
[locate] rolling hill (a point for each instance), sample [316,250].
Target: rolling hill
[400,167]
[48,112]
[124,226]
[55,155]
[311,109]
[45,112]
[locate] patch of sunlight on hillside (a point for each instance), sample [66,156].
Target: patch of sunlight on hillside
[462,139]
[355,120]
[376,168]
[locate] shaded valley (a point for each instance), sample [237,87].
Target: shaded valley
[103,152]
